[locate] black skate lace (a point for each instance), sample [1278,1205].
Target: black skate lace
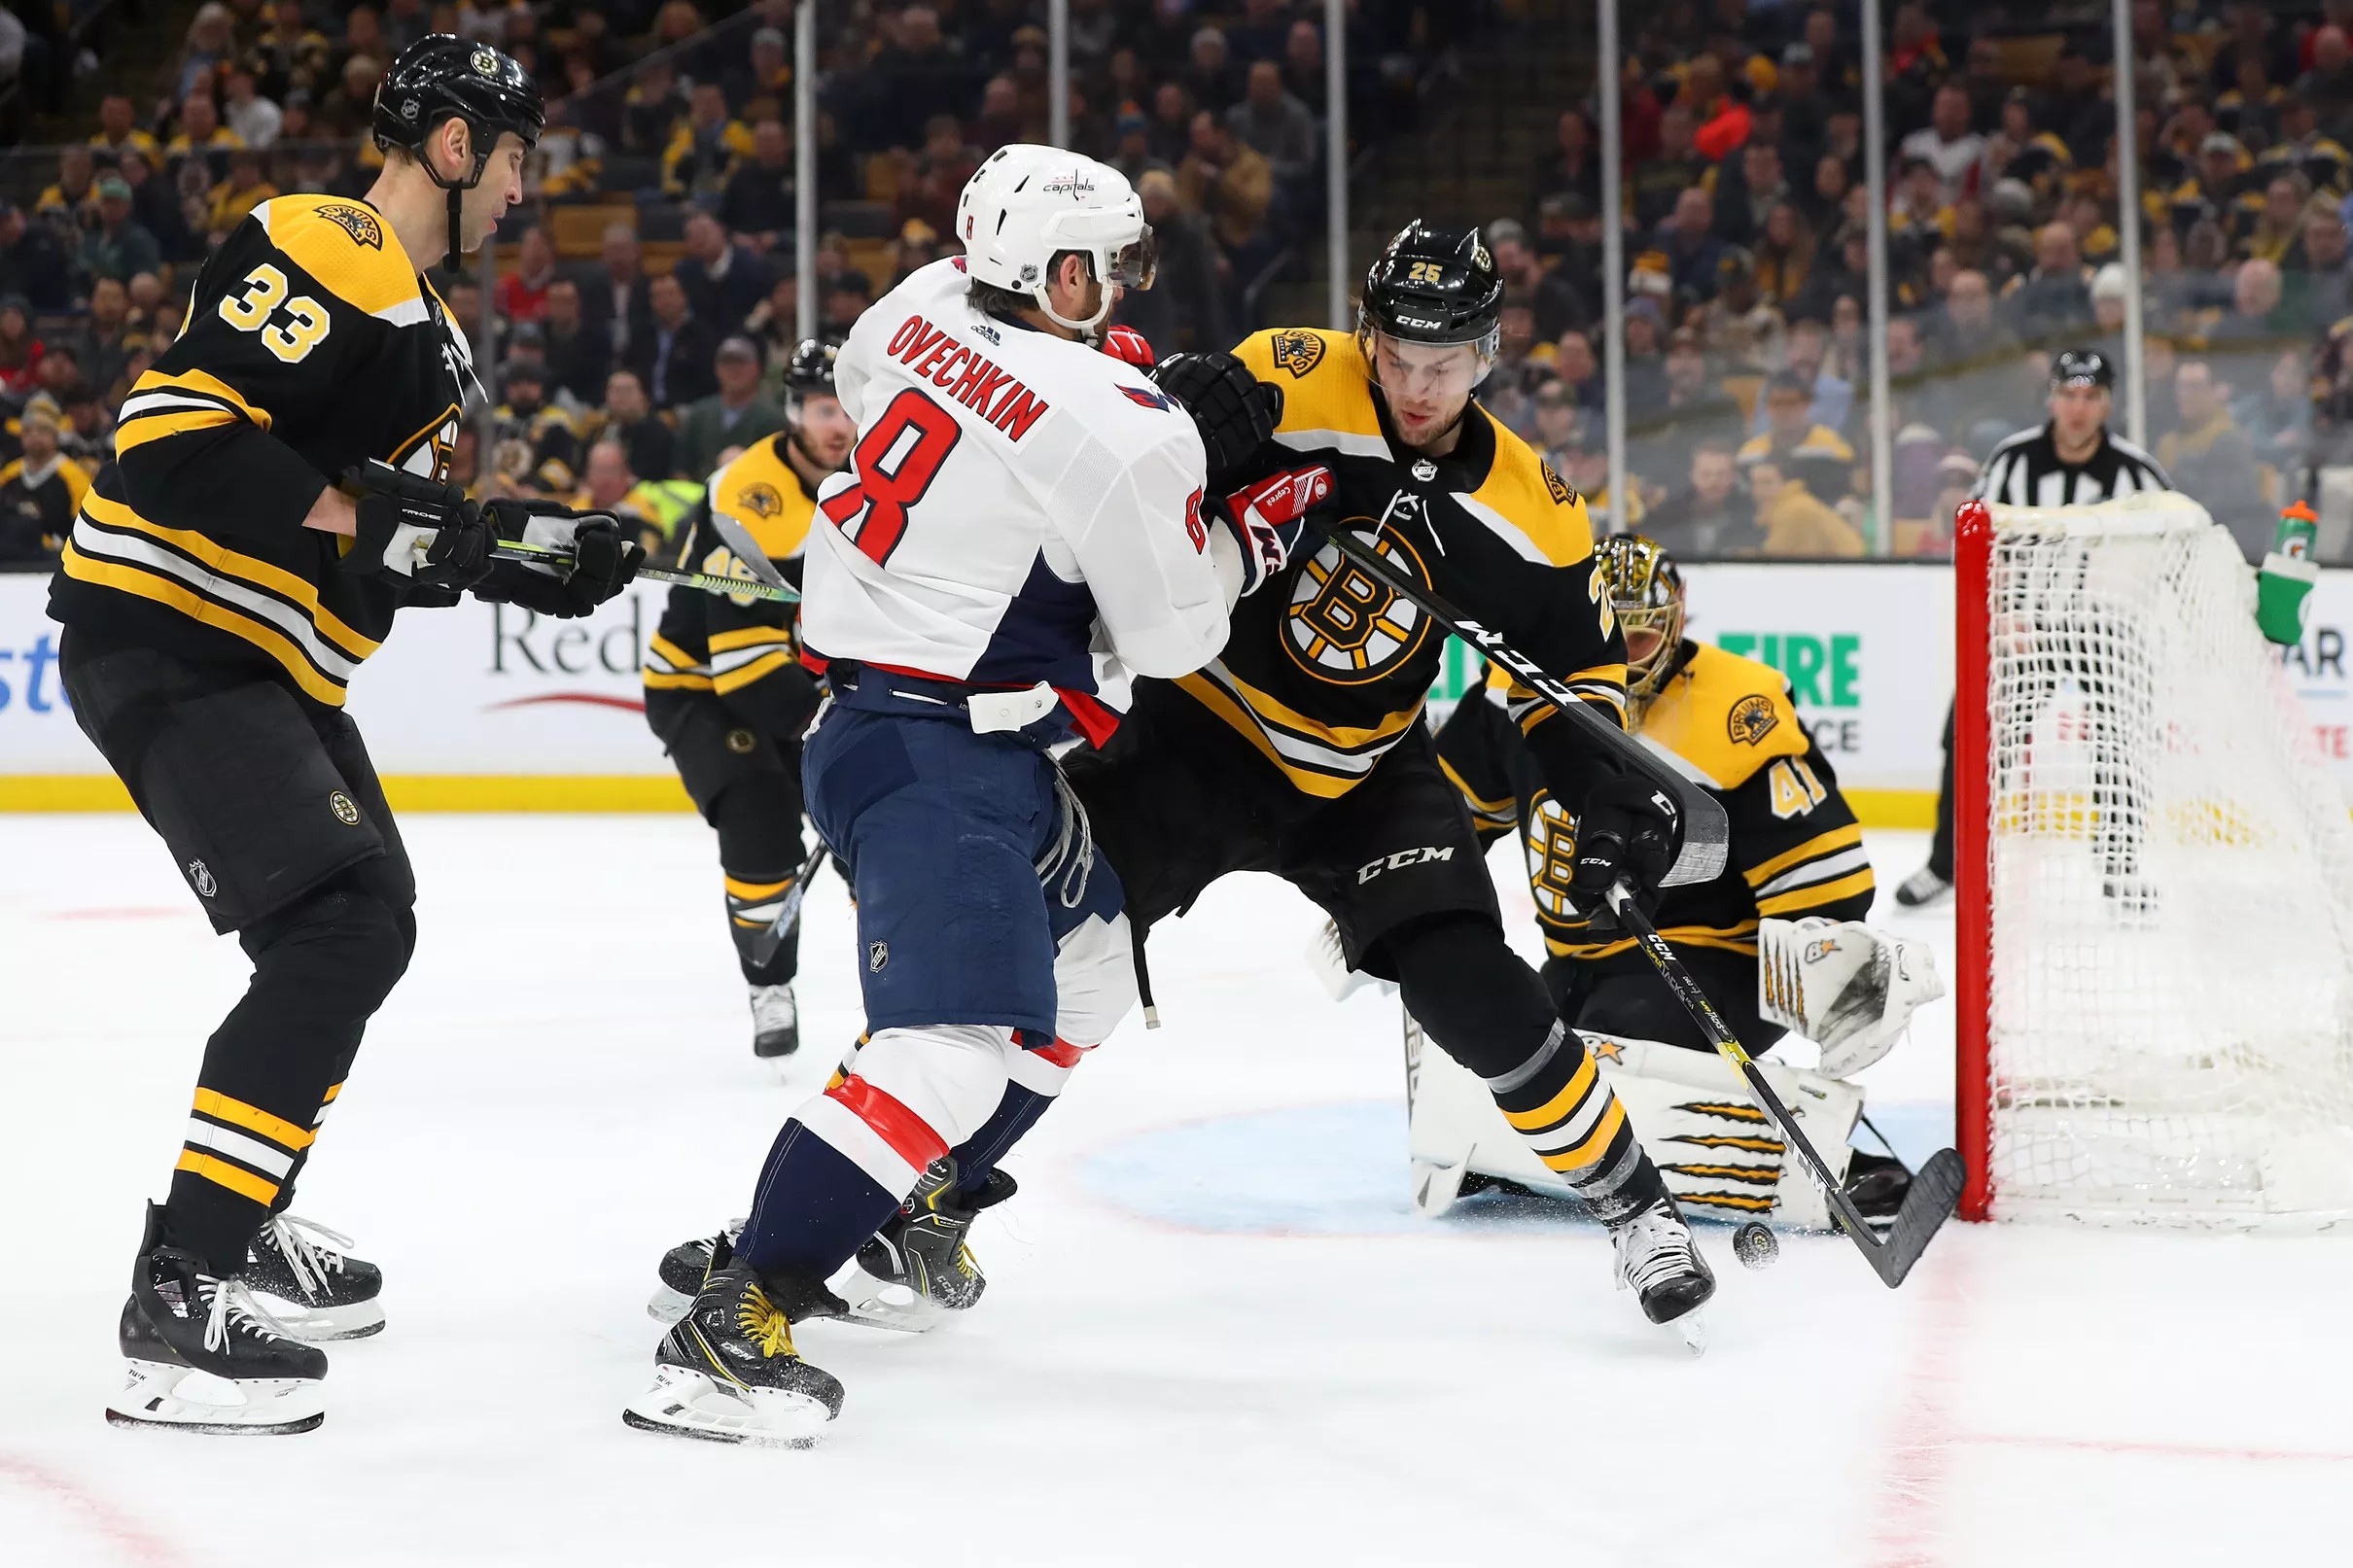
[234,1309]
[310,1261]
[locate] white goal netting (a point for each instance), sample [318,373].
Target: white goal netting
[2169,1030]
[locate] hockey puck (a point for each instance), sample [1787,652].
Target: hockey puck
[1755,1245]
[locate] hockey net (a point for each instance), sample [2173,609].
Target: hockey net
[2156,884]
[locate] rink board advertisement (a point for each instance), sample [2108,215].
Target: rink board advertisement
[488,707]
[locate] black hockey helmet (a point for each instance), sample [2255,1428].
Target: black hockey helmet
[1434,286]
[443,76]
[808,372]
[2083,368]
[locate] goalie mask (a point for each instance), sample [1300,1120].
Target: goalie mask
[1646,590]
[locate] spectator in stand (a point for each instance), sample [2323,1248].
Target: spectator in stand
[103,345]
[1231,186]
[2319,274]
[1000,121]
[33,264]
[1697,408]
[705,149]
[939,175]
[1747,190]
[119,246]
[1259,34]
[672,357]
[2303,148]
[1577,372]
[1278,127]
[1807,356]
[40,491]
[2278,221]
[211,44]
[1172,134]
[1657,184]
[653,109]
[913,76]
[1917,213]
[611,486]
[630,420]
[1688,240]
[775,328]
[848,294]
[118,128]
[240,193]
[1210,76]
[201,134]
[1740,329]
[1794,521]
[1184,308]
[579,357]
[1645,359]
[1303,72]
[736,414]
[1131,146]
[2329,85]
[75,193]
[617,302]
[724,282]
[1712,515]
[521,295]
[2277,418]
[2210,457]
[1557,305]
[21,349]
[2053,302]
[767,72]
[1804,447]
[1784,255]
[1572,164]
[1720,121]
[757,205]
[254,118]
[1949,143]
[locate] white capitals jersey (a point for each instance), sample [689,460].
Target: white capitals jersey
[1010,491]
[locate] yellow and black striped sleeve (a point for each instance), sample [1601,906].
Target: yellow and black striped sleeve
[1796,842]
[753,648]
[202,440]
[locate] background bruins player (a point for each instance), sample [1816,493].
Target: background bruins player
[1301,750]
[217,594]
[1798,868]
[727,692]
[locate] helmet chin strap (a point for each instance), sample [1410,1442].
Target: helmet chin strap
[1090,331]
[456,190]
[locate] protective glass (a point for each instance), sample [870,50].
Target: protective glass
[1133,264]
[1443,371]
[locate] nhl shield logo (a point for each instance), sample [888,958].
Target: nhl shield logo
[878,953]
[1426,471]
[1298,352]
[199,877]
[1752,720]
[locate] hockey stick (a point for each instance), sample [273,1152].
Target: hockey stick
[703,581]
[1706,834]
[788,913]
[744,548]
[1935,1188]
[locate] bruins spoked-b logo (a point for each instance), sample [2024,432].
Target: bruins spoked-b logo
[760,500]
[1752,718]
[356,221]
[346,810]
[1551,847]
[1343,626]
[1298,352]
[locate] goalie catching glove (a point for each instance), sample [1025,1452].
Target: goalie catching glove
[602,560]
[1848,988]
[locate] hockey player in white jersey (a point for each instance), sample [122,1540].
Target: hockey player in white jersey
[1017,500]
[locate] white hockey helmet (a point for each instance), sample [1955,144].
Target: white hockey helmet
[1025,204]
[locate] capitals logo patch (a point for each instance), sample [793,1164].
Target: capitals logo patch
[1146,400]
[1563,494]
[1752,720]
[356,221]
[1298,353]
[760,500]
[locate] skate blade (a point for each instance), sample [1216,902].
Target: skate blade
[1691,1328]
[685,1404]
[324,1325]
[881,1304]
[667,1306]
[163,1397]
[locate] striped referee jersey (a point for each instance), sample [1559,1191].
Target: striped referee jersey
[2025,470]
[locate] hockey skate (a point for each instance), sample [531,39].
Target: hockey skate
[1660,1261]
[728,1372]
[1924,888]
[682,1270]
[314,1292]
[205,1357]
[917,1268]
[775,1021]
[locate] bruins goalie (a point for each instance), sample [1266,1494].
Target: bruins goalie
[1777,940]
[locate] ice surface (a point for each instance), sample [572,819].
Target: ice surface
[1214,1333]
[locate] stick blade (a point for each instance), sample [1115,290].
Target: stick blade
[1936,1189]
[744,548]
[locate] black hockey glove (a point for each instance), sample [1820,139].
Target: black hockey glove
[1234,411]
[602,559]
[417,532]
[1626,832]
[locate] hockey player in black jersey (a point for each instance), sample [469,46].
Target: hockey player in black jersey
[727,694]
[219,592]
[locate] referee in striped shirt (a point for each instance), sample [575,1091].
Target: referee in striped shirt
[2070,460]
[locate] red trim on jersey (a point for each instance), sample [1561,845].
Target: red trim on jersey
[909,1135]
[1096,720]
[1061,1052]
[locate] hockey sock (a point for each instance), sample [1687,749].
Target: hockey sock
[320,970]
[761,853]
[1492,1013]
[1038,1075]
[754,898]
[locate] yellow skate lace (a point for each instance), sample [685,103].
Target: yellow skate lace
[762,1324]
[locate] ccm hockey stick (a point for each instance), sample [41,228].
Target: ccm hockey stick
[704,581]
[788,913]
[1935,1189]
[1707,835]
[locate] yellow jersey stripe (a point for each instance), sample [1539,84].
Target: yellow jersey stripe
[748,637]
[1322,786]
[244,1183]
[1504,809]
[134,433]
[671,652]
[1740,938]
[1838,838]
[146,584]
[1593,1148]
[755,890]
[230,562]
[685,681]
[1561,1105]
[738,679]
[1291,719]
[252,1119]
[332,1090]
[1816,894]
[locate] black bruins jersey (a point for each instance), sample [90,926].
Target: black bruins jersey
[1728,722]
[730,646]
[312,345]
[1325,669]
